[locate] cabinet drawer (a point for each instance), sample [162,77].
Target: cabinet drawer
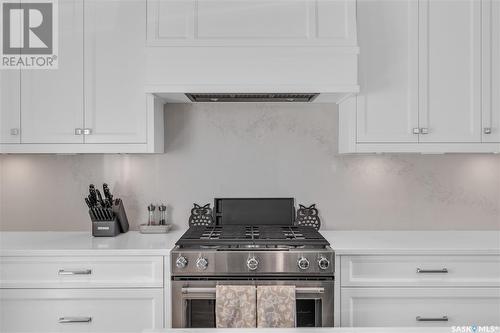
[92,310]
[81,272]
[394,271]
[400,307]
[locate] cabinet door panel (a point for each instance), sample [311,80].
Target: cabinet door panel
[233,23]
[10,106]
[421,271]
[98,272]
[491,71]
[450,70]
[52,100]
[400,307]
[387,108]
[115,102]
[101,310]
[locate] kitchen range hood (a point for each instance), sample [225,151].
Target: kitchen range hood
[299,52]
[249,98]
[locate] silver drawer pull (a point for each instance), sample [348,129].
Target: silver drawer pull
[75,272]
[299,290]
[443,318]
[69,320]
[438,271]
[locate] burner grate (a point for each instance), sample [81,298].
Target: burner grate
[271,235]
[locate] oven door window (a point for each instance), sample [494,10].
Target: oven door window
[200,313]
[308,313]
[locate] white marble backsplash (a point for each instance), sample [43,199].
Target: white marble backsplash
[232,150]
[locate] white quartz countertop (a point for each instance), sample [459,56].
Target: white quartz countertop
[82,243]
[309,330]
[343,242]
[415,242]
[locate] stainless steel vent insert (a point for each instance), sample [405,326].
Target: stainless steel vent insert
[253,97]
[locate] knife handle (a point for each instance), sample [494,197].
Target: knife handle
[87,201]
[107,194]
[99,198]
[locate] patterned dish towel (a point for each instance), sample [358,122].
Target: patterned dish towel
[235,307]
[276,306]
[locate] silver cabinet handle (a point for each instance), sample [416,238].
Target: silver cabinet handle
[487,130]
[424,271]
[416,130]
[443,318]
[87,131]
[78,131]
[14,131]
[69,320]
[75,272]
[298,290]
[424,130]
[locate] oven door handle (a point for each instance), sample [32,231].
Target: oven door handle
[298,290]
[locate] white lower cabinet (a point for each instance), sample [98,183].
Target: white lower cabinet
[418,290]
[82,293]
[82,272]
[428,271]
[92,310]
[405,307]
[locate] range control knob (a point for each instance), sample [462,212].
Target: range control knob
[323,263]
[202,263]
[303,263]
[252,263]
[181,262]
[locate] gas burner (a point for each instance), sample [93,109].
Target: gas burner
[255,236]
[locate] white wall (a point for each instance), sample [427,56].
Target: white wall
[257,150]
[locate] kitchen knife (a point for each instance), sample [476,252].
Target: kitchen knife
[94,215]
[87,201]
[93,195]
[108,217]
[107,194]
[91,201]
[100,214]
[110,214]
[99,198]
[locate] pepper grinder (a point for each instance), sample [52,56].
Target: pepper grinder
[162,209]
[151,218]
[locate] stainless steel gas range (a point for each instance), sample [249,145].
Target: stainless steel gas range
[252,242]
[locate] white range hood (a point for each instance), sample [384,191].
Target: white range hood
[252,50]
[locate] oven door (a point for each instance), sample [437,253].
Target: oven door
[193,302]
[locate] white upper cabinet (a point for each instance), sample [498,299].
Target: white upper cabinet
[429,76]
[95,101]
[450,70]
[115,41]
[387,108]
[491,71]
[255,22]
[52,100]
[10,106]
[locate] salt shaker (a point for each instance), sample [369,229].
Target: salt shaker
[151,217]
[163,212]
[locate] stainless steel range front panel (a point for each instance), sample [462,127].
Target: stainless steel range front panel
[317,296]
[189,262]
